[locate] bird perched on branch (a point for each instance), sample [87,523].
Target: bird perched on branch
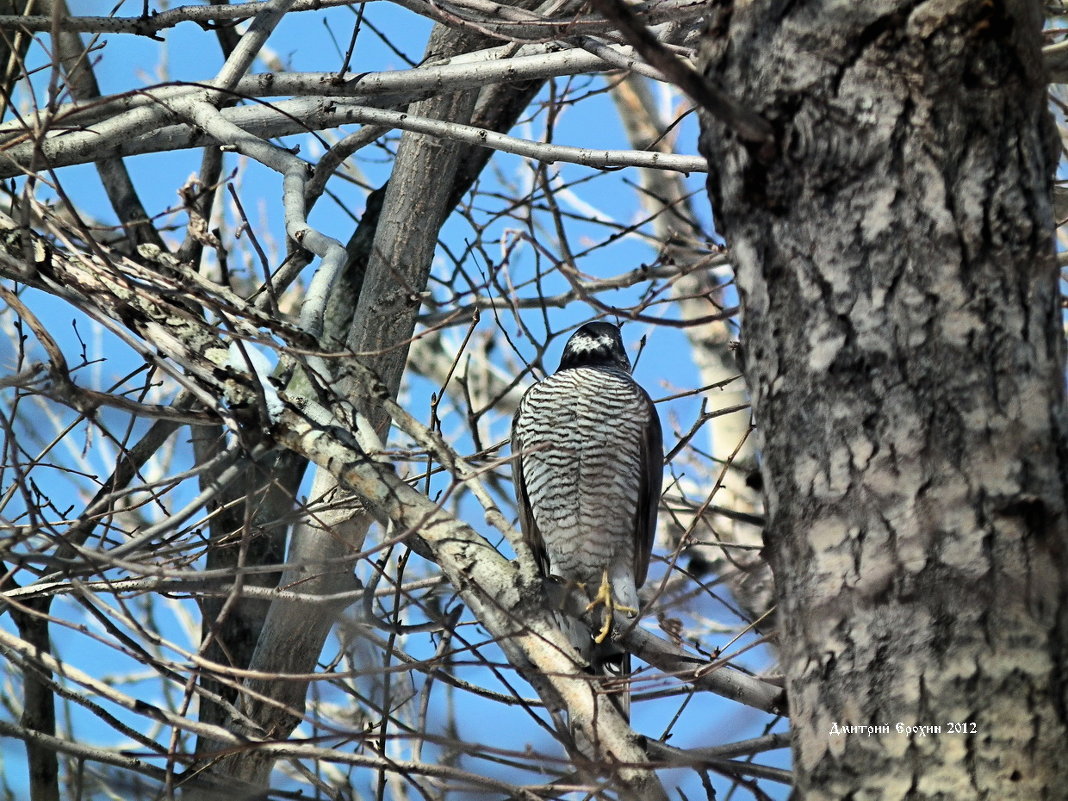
[588,470]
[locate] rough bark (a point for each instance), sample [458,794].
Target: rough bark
[904,349]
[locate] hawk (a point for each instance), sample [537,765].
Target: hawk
[588,469]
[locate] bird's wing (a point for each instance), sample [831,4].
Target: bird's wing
[652,478]
[531,535]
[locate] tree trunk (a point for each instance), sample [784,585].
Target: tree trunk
[903,343]
[428,177]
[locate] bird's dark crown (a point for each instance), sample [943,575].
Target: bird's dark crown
[595,345]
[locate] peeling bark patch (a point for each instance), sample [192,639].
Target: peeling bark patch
[824,344]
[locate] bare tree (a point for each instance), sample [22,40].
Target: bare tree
[209,614]
[268,328]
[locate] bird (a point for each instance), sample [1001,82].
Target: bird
[588,469]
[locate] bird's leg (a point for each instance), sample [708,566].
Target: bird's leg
[604,596]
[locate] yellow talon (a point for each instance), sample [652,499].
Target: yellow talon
[604,597]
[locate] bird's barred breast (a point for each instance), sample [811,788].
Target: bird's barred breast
[582,433]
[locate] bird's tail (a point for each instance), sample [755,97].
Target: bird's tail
[608,669]
[611,665]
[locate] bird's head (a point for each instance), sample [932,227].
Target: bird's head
[595,345]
